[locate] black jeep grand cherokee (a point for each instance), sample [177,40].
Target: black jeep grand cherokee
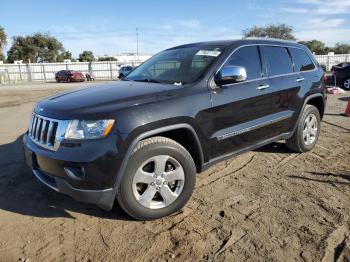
[143,139]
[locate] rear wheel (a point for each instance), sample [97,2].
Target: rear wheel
[159,179]
[346,84]
[308,129]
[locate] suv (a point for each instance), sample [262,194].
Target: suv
[143,139]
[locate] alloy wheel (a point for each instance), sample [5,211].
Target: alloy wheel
[310,129]
[158,182]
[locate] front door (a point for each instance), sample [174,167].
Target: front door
[242,112]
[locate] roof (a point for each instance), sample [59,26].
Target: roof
[244,41]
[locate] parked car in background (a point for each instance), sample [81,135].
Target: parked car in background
[69,76]
[124,71]
[340,75]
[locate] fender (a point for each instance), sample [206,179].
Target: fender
[308,98]
[133,144]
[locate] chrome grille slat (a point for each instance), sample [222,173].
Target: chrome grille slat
[38,126]
[34,126]
[49,133]
[46,132]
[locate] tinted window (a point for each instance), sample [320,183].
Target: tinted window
[302,61]
[177,65]
[249,58]
[278,60]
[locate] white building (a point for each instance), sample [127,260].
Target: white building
[130,58]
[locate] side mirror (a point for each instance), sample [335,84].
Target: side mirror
[230,74]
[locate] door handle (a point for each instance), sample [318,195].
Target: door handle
[299,80]
[262,87]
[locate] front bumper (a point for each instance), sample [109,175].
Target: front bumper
[96,161]
[101,198]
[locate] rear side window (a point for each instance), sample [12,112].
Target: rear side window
[249,58]
[302,61]
[278,60]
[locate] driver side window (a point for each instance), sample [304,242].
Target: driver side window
[249,58]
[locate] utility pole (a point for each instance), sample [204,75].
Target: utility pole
[137,44]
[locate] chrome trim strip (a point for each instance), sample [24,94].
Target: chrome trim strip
[38,176]
[254,127]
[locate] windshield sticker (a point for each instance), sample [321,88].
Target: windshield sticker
[208,52]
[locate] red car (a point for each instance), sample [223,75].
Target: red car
[69,76]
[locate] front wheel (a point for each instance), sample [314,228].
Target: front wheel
[159,179]
[307,131]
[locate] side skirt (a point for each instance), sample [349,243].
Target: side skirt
[214,161]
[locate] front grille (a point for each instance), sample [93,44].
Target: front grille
[42,131]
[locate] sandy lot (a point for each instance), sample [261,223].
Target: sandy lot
[265,205]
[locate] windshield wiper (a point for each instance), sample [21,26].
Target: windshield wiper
[149,80]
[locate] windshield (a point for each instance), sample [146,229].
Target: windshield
[176,66]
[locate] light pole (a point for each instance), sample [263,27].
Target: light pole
[137,44]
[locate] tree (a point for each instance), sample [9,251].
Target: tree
[66,55]
[316,46]
[107,58]
[281,31]
[342,48]
[86,56]
[3,42]
[36,48]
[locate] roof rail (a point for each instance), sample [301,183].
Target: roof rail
[269,38]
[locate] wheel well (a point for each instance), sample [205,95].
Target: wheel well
[318,103]
[187,139]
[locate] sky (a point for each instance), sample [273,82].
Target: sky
[108,27]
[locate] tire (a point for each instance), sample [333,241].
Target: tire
[57,80]
[146,154]
[300,142]
[120,76]
[346,84]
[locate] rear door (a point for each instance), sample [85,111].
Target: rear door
[285,86]
[306,73]
[242,110]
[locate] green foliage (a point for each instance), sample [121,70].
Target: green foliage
[36,48]
[107,58]
[342,48]
[3,38]
[316,46]
[86,56]
[3,42]
[64,56]
[280,31]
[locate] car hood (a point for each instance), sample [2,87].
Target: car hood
[103,99]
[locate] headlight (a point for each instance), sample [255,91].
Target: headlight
[89,129]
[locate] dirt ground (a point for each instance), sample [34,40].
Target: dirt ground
[265,205]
